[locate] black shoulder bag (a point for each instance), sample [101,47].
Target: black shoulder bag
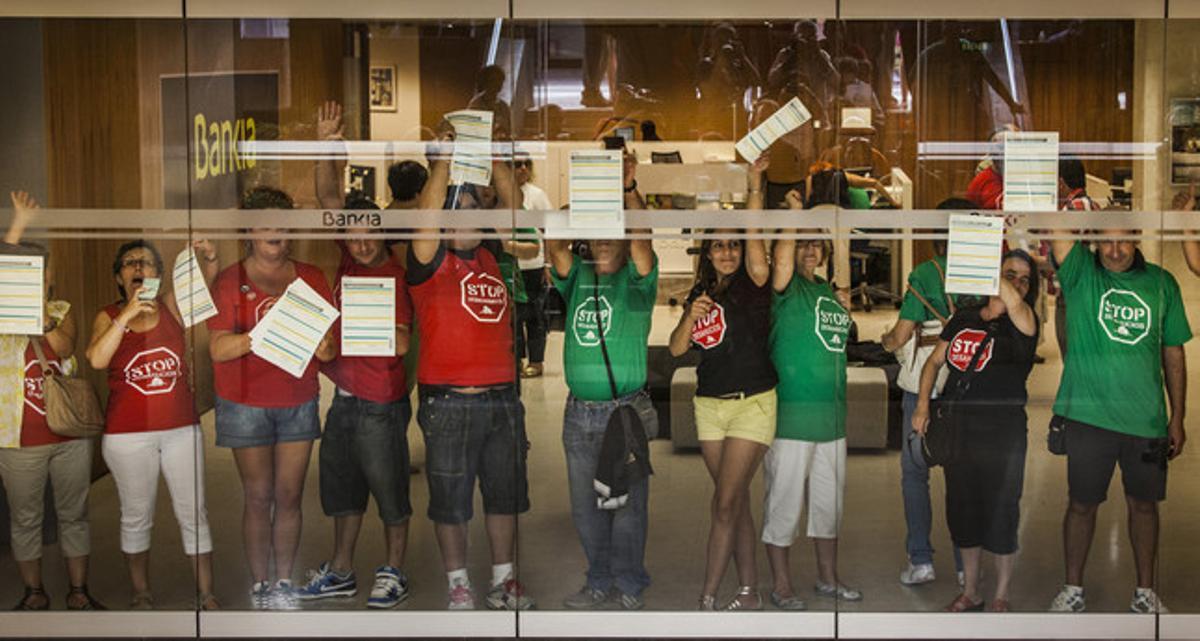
[943,441]
[624,450]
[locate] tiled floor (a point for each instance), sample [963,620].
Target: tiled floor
[872,542]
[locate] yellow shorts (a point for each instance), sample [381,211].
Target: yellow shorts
[751,418]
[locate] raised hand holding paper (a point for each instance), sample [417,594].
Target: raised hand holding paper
[368,316]
[149,289]
[785,119]
[21,308]
[191,294]
[288,336]
[472,159]
[973,257]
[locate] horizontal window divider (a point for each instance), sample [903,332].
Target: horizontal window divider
[394,623]
[91,624]
[1009,625]
[710,625]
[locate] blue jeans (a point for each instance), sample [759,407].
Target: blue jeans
[614,541]
[914,484]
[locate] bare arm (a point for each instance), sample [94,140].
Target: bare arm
[783,262]
[1186,201]
[898,335]
[1175,373]
[559,253]
[1019,312]
[681,336]
[523,249]
[107,332]
[432,196]
[641,250]
[327,174]
[929,373]
[24,211]
[403,339]
[757,264]
[224,345]
[62,337]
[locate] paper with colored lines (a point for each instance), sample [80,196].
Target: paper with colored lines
[289,334]
[973,257]
[191,294]
[785,119]
[1031,171]
[472,159]
[368,316]
[597,188]
[22,306]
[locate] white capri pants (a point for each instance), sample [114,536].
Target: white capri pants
[136,459]
[786,468]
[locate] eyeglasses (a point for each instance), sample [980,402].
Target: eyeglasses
[134,263]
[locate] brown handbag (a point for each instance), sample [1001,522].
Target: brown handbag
[72,408]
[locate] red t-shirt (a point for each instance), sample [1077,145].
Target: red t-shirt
[250,380]
[464,319]
[149,386]
[987,189]
[379,379]
[34,430]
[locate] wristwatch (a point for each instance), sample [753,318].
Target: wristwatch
[632,187]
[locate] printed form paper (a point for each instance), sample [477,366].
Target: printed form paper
[472,159]
[288,336]
[1031,171]
[784,120]
[21,302]
[973,258]
[597,194]
[191,294]
[368,316]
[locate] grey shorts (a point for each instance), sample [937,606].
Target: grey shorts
[248,426]
[364,451]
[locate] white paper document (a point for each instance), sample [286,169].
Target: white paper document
[368,316]
[191,294]
[472,159]
[288,336]
[785,119]
[973,257]
[22,310]
[1031,171]
[597,193]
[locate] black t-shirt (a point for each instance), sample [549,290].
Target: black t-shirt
[999,383]
[732,339]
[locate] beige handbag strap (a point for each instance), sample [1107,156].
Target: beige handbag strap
[949,298]
[37,349]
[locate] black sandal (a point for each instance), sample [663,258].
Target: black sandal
[88,604]
[25,605]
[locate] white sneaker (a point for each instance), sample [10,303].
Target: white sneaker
[460,598]
[260,595]
[1145,601]
[917,574]
[1069,599]
[283,596]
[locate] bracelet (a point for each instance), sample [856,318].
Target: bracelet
[632,188]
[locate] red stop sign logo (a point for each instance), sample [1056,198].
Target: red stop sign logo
[484,297]
[962,350]
[708,332]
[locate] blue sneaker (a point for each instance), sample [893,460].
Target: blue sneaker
[325,583]
[390,590]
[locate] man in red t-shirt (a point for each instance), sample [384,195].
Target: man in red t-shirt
[469,413]
[364,449]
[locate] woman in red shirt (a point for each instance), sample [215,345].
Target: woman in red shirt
[267,416]
[30,454]
[151,424]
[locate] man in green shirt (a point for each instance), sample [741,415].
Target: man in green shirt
[1126,325]
[610,295]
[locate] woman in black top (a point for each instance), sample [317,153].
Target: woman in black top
[728,320]
[983,486]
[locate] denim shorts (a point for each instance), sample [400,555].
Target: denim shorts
[248,426]
[364,451]
[469,436]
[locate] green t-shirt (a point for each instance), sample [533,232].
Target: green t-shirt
[510,272]
[1117,325]
[809,330]
[927,280]
[626,305]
